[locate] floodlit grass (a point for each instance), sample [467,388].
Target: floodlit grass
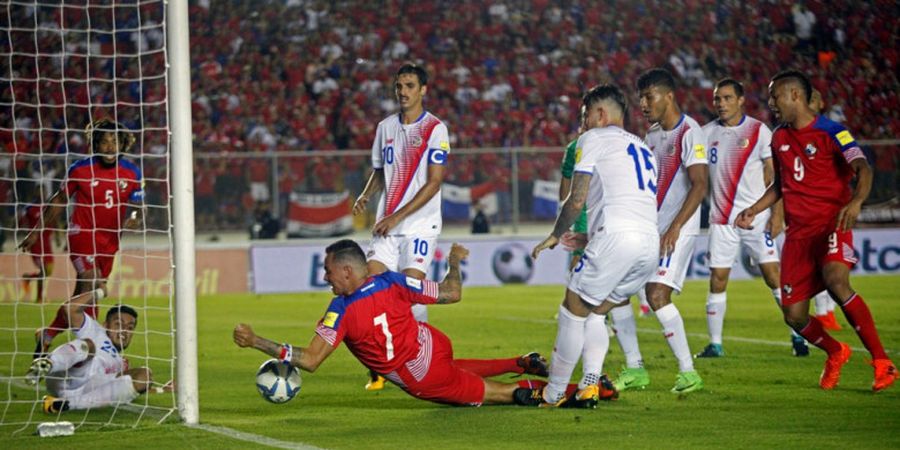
[757,396]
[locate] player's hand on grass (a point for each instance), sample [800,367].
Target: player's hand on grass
[457,253]
[745,219]
[244,335]
[359,206]
[550,242]
[667,241]
[846,219]
[385,225]
[166,388]
[572,241]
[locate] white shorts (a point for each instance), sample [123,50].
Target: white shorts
[615,266]
[673,268]
[725,242]
[399,253]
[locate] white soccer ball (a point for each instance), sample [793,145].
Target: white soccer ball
[277,381]
[512,263]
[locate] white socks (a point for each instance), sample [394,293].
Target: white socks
[566,351]
[67,355]
[420,312]
[715,316]
[824,303]
[111,392]
[596,344]
[673,330]
[626,333]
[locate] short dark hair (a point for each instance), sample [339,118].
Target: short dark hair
[95,129]
[121,309]
[656,77]
[738,87]
[798,77]
[604,92]
[346,250]
[415,69]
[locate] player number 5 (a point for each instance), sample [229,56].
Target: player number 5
[389,338]
[109,199]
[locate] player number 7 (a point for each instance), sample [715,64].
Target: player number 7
[389,338]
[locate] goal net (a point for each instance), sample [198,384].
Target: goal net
[66,65]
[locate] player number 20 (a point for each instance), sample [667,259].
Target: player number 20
[799,170]
[648,167]
[388,337]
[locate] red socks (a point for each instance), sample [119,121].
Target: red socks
[860,319]
[815,334]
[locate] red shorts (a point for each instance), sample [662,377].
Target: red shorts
[87,255]
[443,382]
[802,261]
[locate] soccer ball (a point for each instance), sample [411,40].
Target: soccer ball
[512,263]
[277,381]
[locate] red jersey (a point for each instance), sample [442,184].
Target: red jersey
[377,325]
[100,194]
[32,219]
[814,165]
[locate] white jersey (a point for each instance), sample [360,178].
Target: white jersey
[405,152]
[736,162]
[622,191]
[676,150]
[107,361]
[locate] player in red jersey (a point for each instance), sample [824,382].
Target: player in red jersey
[815,159]
[102,188]
[41,251]
[371,315]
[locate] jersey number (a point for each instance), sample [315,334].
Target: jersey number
[420,247]
[713,155]
[389,338]
[648,167]
[799,171]
[387,154]
[109,199]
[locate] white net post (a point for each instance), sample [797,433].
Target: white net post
[183,210]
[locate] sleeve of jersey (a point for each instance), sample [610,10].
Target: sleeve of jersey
[849,148]
[764,144]
[70,184]
[89,328]
[585,161]
[329,327]
[377,157]
[423,292]
[137,195]
[439,145]
[568,164]
[693,150]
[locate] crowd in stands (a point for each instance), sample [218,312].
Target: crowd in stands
[300,75]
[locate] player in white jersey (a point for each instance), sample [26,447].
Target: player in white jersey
[680,148]
[90,371]
[615,176]
[409,157]
[740,169]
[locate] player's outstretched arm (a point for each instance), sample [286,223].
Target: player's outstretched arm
[74,307]
[450,289]
[50,216]
[846,218]
[373,187]
[569,212]
[307,358]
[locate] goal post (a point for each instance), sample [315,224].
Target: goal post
[178,44]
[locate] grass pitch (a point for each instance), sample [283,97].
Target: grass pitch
[757,396]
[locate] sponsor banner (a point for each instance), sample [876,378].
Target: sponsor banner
[319,215]
[545,203]
[501,260]
[135,274]
[458,202]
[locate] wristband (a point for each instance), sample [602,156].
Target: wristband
[99,294]
[286,353]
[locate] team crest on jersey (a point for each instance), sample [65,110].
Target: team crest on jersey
[810,150]
[745,143]
[123,184]
[415,141]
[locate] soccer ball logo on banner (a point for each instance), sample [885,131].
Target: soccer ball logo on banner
[512,263]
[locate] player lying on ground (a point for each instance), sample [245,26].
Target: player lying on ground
[90,371]
[372,316]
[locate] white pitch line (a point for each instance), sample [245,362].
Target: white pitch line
[253,438]
[784,343]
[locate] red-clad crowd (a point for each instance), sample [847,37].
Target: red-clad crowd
[317,75]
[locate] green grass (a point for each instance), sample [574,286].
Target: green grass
[757,396]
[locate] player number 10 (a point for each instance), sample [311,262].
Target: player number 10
[389,338]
